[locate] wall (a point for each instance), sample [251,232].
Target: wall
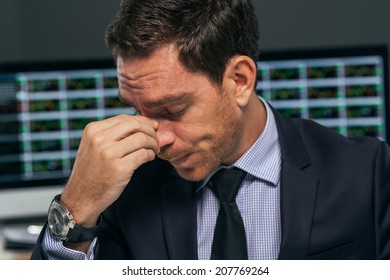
[52,29]
[286,24]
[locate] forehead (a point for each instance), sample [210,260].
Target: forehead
[163,63]
[160,75]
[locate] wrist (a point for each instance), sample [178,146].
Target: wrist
[83,215]
[63,225]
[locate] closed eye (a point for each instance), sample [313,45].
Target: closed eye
[173,115]
[178,113]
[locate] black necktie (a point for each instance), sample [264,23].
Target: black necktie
[229,236]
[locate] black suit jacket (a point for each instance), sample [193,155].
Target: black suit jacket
[335,202]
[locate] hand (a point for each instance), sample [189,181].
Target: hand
[109,153]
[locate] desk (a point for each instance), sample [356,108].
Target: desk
[23,241]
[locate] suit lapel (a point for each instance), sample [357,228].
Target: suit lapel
[298,195]
[298,191]
[179,219]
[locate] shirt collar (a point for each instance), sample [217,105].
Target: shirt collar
[263,159]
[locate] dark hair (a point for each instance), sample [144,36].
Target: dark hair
[207,33]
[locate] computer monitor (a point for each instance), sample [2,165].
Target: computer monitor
[345,89]
[45,106]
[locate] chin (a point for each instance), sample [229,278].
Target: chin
[193,174]
[195,167]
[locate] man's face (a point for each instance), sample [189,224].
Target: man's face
[199,124]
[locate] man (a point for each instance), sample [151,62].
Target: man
[189,69]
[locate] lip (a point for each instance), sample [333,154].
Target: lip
[180,161]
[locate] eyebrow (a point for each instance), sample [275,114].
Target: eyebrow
[176,98]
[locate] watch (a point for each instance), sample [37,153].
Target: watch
[62,224]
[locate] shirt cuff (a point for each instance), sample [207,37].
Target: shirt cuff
[55,249]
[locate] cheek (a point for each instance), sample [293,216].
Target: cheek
[190,134]
[203,124]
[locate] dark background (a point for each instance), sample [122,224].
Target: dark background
[74,29]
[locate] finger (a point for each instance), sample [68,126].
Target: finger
[134,160]
[109,122]
[128,127]
[136,142]
[97,138]
[150,121]
[130,145]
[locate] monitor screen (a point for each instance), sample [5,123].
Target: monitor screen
[343,89]
[45,106]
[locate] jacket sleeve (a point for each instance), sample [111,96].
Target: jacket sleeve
[111,243]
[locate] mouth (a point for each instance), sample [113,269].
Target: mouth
[179,161]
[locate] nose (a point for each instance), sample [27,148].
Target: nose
[165,136]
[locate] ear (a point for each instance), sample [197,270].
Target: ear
[242,72]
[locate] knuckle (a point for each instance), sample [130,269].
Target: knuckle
[131,125]
[148,154]
[143,155]
[116,167]
[105,154]
[89,129]
[96,140]
[142,137]
[136,125]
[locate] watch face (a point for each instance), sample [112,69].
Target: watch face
[58,221]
